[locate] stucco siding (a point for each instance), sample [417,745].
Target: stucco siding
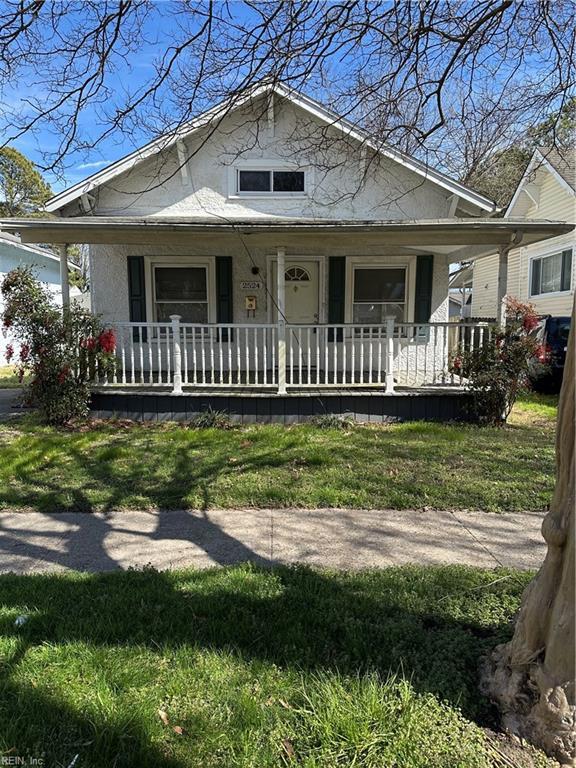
[109,272]
[343,181]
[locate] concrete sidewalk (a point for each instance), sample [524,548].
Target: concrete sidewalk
[323,537]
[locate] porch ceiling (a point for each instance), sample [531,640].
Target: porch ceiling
[457,239]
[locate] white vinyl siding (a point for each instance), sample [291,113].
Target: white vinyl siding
[555,204]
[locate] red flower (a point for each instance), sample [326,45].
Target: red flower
[89,343]
[24,352]
[457,364]
[9,352]
[63,375]
[107,340]
[530,322]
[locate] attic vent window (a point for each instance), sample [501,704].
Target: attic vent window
[271,182]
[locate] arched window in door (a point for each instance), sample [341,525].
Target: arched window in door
[296,275]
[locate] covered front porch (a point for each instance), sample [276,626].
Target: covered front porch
[276,308]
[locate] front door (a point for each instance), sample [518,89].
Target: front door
[302,294]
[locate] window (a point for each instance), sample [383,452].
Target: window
[268,181]
[296,275]
[181,291]
[378,292]
[551,274]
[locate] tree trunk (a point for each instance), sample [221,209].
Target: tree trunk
[531,678]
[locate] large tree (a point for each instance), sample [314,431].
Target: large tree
[533,678]
[22,188]
[412,66]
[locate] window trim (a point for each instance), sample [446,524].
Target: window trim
[151,262]
[271,164]
[559,249]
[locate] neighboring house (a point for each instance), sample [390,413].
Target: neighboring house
[294,253]
[541,273]
[460,291]
[46,266]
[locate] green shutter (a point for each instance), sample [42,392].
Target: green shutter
[336,292]
[536,269]
[224,288]
[566,276]
[137,293]
[423,295]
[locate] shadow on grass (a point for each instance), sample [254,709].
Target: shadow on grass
[409,466]
[432,624]
[92,477]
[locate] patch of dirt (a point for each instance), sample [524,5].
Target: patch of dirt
[510,752]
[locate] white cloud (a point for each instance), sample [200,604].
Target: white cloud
[95,164]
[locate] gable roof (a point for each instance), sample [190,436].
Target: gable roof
[561,165]
[306,103]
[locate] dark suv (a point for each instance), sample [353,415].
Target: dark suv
[552,336]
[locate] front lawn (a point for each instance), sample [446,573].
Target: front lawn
[252,668]
[414,465]
[8,377]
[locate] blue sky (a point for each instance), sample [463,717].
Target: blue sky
[130,75]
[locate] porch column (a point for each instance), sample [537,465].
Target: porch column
[64,281]
[281,307]
[503,252]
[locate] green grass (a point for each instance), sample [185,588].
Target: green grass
[414,465]
[8,377]
[258,668]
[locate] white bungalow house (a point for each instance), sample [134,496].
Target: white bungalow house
[46,265]
[543,273]
[271,257]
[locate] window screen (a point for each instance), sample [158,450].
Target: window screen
[181,291]
[379,292]
[551,274]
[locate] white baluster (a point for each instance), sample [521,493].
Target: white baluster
[229,343]
[176,355]
[203,354]
[335,357]
[132,367]
[185,349]
[141,354]
[390,354]
[123,352]
[220,356]
[361,355]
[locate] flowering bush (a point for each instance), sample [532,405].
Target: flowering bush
[497,371]
[62,351]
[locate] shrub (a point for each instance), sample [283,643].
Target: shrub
[331,421]
[61,350]
[211,419]
[497,371]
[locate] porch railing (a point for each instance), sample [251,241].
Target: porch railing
[338,356]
